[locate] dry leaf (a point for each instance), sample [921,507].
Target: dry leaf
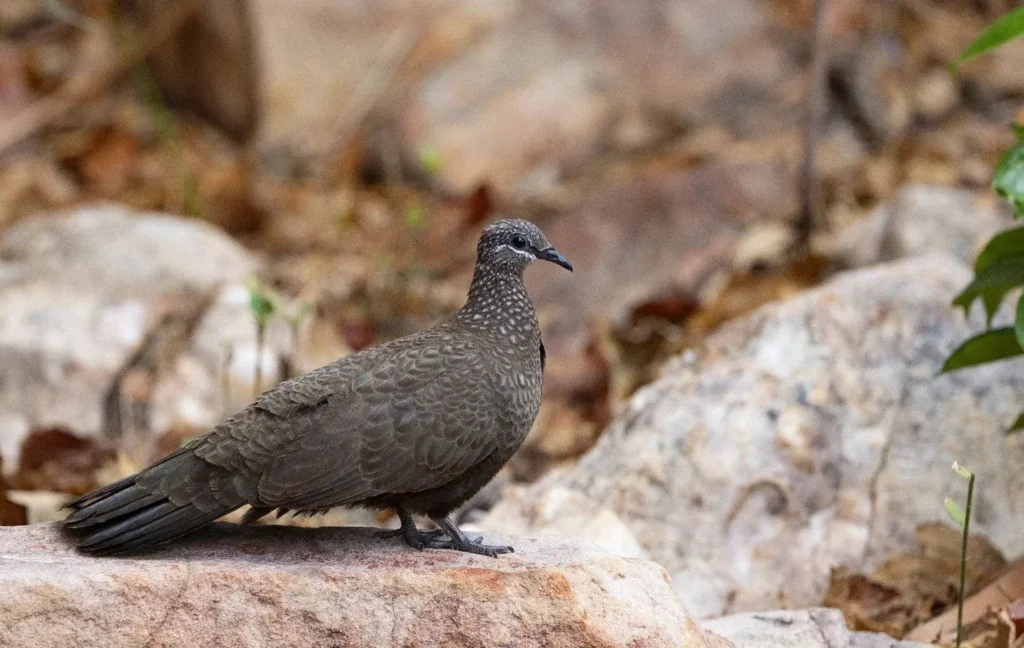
[56,460]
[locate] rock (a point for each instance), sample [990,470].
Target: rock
[811,434]
[813,628]
[516,93]
[923,219]
[282,586]
[566,512]
[80,295]
[662,235]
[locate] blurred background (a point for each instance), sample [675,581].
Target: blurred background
[200,198]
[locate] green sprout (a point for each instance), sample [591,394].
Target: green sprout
[430,160]
[963,519]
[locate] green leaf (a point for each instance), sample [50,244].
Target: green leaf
[261,304]
[1018,322]
[1005,244]
[1008,180]
[955,511]
[415,216]
[992,283]
[961,471]
[1001,31]
[1018,425]
[990,346]
[430,160]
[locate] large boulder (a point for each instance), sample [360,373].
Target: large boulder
[811,434]
[281,586]
[82,295]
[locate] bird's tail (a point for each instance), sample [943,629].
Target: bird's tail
[169,499]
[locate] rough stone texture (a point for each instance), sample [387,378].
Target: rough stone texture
[810,434]
[79,293]
[813,628]
[925,219]
[568,512]
[332,587]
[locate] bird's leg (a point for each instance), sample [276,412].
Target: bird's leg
[413,537]
[458,540]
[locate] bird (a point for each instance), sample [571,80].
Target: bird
[418,425]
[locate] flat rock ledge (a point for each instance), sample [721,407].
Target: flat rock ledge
[283,586]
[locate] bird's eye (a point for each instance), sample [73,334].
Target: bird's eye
[518,242]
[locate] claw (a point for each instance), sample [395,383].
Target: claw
[473,547]
[409,533]
[458,541]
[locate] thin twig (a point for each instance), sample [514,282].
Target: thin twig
[261,334]
[814,109]
[90,82]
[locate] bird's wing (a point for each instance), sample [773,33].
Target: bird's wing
[247,442]
[313,389]
[414,421]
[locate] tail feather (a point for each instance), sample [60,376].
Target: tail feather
[161,503]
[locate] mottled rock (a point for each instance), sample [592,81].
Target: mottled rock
[924,219]
[566,512]
[811,434]
[281,586]
[80,293]
[813,628]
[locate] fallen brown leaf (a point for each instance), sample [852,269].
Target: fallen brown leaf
[57,460]
[908,589]
[996,595]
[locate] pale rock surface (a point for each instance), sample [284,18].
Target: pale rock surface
[279,586]
[812,628]
[562,511]
[79,294]
[811,434]
[924,219]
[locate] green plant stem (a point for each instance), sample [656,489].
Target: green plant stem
[261,330]
[963,562]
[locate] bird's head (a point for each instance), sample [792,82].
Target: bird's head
[513,244]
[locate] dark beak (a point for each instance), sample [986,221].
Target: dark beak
[552,255]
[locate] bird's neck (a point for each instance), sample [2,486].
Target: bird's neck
[498,302]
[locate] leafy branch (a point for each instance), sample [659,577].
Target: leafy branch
[999,269]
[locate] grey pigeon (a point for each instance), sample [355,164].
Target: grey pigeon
[418,424]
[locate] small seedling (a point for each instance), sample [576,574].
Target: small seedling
[262,305]
[415,215]
[430,160]
[963,518]
[293,315]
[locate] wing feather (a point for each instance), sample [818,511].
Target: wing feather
[414,421]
